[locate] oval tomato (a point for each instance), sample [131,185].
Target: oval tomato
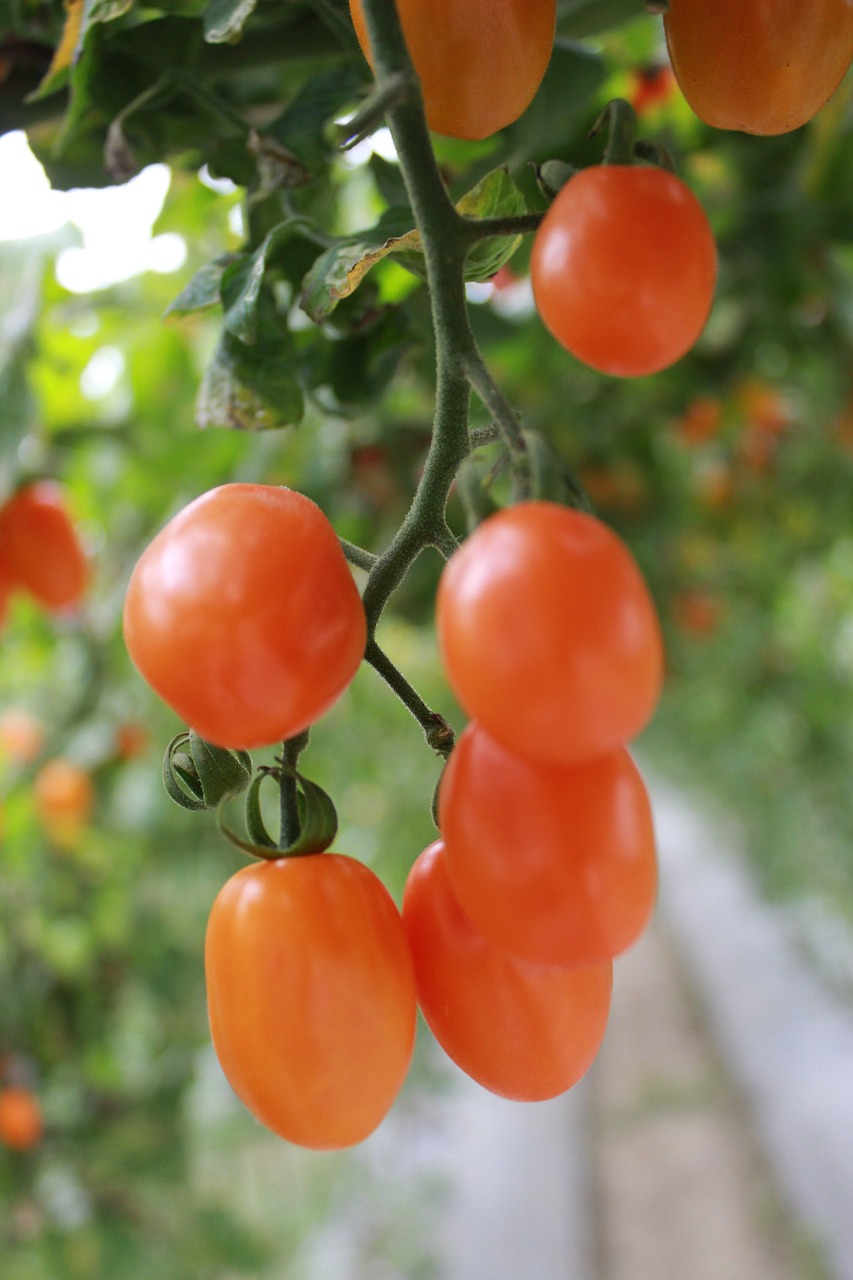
[624,267]
[553,864]
[524,1031]
[548,633]
[20,1119]
[762,68]
[40,547]
[311,996]
[479,61]
[244,617]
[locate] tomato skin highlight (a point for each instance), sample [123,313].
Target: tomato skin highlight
[311,996]
[523,1031]
[40,548]
[624,268]
[553,864]
[242,614]
[548,633]
[763,68]
[480,62]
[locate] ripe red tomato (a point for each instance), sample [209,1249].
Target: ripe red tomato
[40,546]
[311,996]
[624,267]
[553,864]
[480,61]
[20,1119]
[524,1031]
[548,633]
[763,68]
[244,617]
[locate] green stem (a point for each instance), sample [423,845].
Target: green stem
[288,790]
[437,731]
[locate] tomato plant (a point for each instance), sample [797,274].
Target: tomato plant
[524,1031]
[761,68]
[624,268]
[243,615]
[40,547]
[20,1118]
[311,996]
[553,863]
[479,63]
[548,633]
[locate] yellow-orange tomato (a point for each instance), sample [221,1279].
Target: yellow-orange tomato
[624,268]
[40,545]
[21,735]
[761,66]
[553,864]
[479,61]
[243,615]
[311,996]
[64,796]
[20,1119]
[548,633]
[524,1031]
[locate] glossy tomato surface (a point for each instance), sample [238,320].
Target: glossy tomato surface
[243,615]
[311,996]
[524,1031]
[479,61]
[555,864]
[624,268]
[40,547]
[548,633]
[760,66]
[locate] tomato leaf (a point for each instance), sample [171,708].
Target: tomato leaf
[253,386]
[494,196]
[224,19]
[578,18]
[204,288]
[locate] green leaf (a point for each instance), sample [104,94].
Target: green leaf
[301,128]
[224,19]
[253,387]
[494,196]
[204,288]
[341,269]
[578,18]
[573,77]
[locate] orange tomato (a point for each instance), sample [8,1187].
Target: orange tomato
[524,1031]
[624,268]
[761,66]
[480,62]
[40,545]
[554,864]
[242,614]
[64,797]
[548,633]
[701,420]
[21,735]
[311,996]
[20,1119]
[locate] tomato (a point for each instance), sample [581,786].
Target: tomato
[651,87]
[243,615]
[524,1031]
[759,67]
[21,735]
[624,267]
[20,1119]
[311,996]
[555,864]
[64,797]
[548,633]
[39,544]
[480,62]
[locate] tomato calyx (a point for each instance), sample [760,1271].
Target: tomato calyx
[309,820]
[197,775]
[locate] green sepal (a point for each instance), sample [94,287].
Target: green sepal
[318,820]
[552,176]
[197,775]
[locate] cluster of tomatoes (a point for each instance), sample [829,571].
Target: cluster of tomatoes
[40,551]
[546,866]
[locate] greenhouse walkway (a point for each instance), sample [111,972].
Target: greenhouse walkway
[713,1138]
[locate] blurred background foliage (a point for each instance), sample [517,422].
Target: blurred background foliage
[729,475]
